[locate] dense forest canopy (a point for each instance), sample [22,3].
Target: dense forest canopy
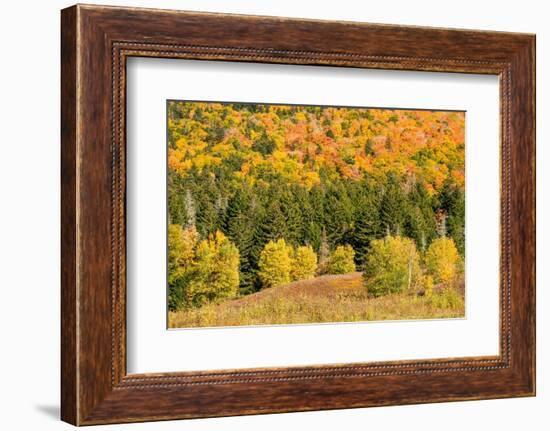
[320,177]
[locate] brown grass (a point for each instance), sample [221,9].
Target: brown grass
[329,298]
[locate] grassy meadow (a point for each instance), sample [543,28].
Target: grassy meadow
[324,299]
[282,214]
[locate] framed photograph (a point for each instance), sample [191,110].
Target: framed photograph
[265,215]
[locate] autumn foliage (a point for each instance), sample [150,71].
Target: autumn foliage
[263,195]
[393,266]
[275,263]
[299,144]
[200,272]
[342,260]
[304,263]
[442,260]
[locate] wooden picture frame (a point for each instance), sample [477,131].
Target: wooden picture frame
[95,43]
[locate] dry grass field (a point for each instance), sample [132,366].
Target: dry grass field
[328,298]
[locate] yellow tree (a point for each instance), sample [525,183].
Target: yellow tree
[304,263]
[181,248]
[392,266]
[341,260]
[442,260]
[217,270]
[275,263]
[181,260]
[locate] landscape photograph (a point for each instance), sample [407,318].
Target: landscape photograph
[298,214]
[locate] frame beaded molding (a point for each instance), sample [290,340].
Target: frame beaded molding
[123,49]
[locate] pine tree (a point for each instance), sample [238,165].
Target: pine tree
[421,220]
[292,214]
[338,212]
[367,225]
[207,217]
[314,219]
[177,212]
[273,224]
[239,227]
[452,201]
[393,208]
[268,225]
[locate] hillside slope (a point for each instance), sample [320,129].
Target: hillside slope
[328,298]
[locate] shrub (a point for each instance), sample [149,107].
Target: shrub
[427,284]
[442,260]
[275,263]
[392,266]
[341,260]
[304,263]
[447,298]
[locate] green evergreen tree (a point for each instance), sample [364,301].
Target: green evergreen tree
[292,214]
[452,201]
[177,211]
[314,219]
[367,226]
[420,222]
[393,208]
[338,214]
[239,227]
[273,224]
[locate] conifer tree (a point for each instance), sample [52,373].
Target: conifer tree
[314,219]
[338,214]
[239,226]
[292,214]
[452,201]
[393,208]
[420,222]
[367,226]
[273,224]
[177,212]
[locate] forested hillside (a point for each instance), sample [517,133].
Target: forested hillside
[315,177]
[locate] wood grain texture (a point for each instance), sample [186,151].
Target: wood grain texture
[69,397]
[96,41]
